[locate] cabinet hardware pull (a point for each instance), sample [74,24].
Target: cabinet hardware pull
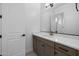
[42,45]
[63,49]
[55,53]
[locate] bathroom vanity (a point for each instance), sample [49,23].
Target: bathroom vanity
[55,45]
[78,53]
[42,46]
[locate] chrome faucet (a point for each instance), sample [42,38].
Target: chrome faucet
[50,32]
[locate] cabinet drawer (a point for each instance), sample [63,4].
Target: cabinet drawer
[59,53]
[65,49]
[78,53]
[50,43]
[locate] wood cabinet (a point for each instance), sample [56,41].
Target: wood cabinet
[40,48]
[49,51]
[34,44]
[59,53]
[66,50]
[44,47]
[78,53]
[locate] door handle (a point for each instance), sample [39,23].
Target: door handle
[23,35]
[0,16]
[0,36]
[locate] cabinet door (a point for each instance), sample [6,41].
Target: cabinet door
[40,48]
[13,27]
[65,49]
[59,53]
[34,44]
[78,53]
[49,50]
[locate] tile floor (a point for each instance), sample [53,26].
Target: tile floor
[31,54]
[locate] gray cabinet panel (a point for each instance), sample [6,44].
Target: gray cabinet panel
[59,53]
[40,48]
[34,44]
[43,47]
[49,51]
[65,49]
[78,53]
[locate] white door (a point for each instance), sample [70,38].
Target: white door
[15,44]
[0,36]
[0,30]
[14,26]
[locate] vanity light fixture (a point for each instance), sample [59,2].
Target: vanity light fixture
[49,5]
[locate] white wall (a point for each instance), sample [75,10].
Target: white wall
[32,24]
[20,18]
[71,18]
[45,18]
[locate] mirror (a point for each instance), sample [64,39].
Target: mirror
[58,23]
[66,26]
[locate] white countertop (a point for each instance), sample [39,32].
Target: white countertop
[68,40]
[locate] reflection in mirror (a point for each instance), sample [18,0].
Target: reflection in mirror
[59,20]
[56,19]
